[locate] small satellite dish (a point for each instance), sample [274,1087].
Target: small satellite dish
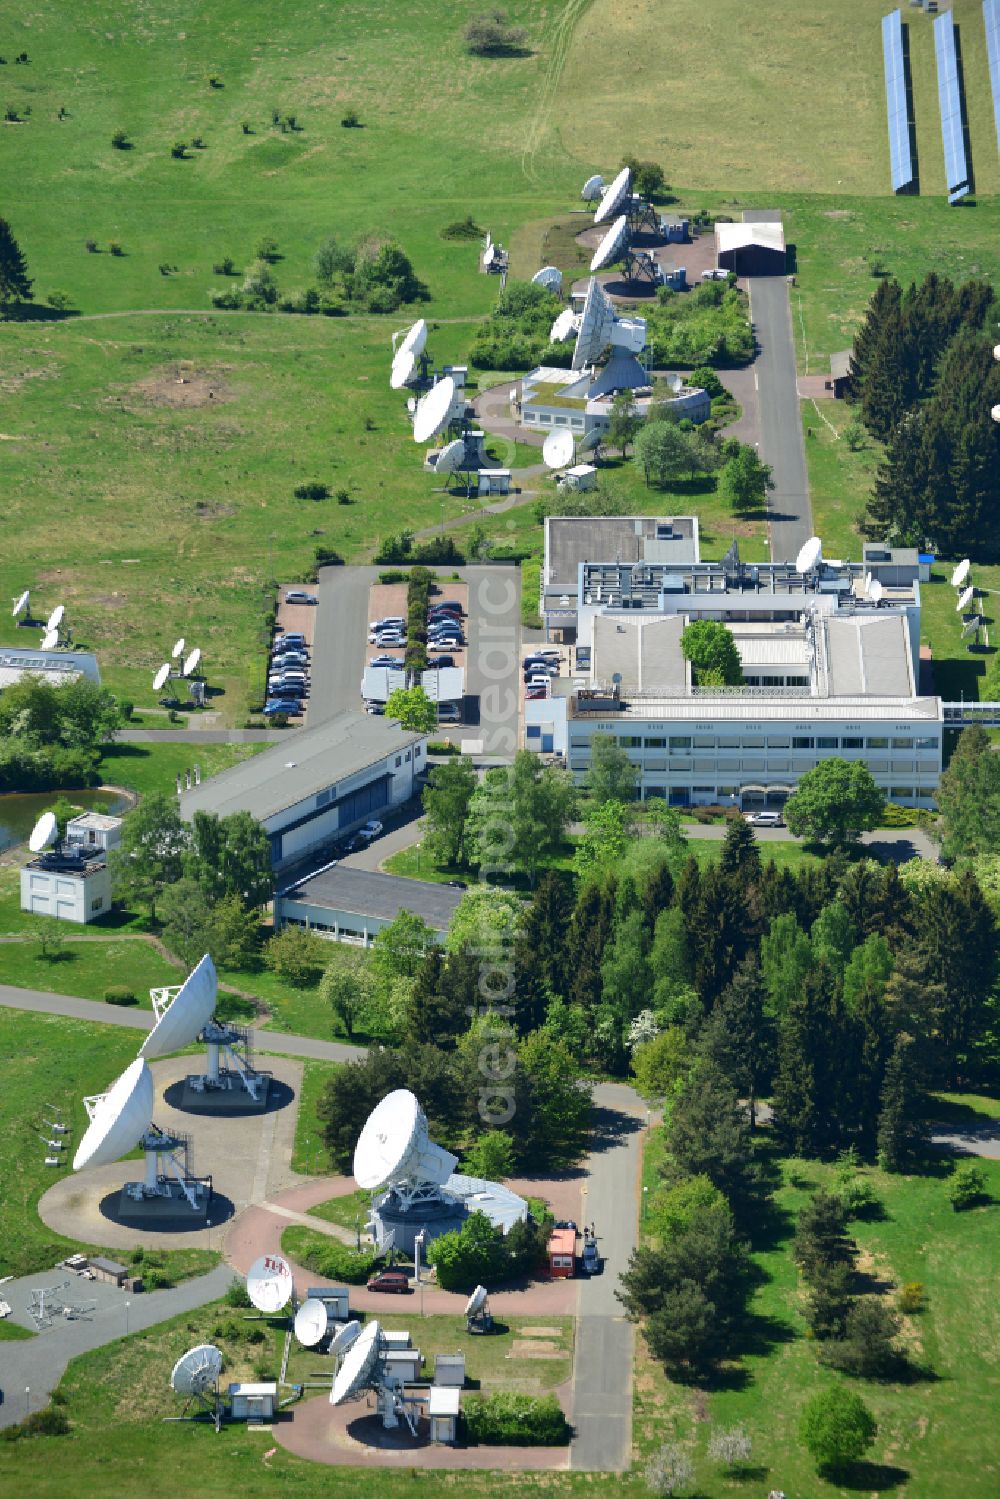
[43,833]
[592,189]
[451,457]
[22,604]
[403,367]
[490,255]
[358,1367]
[187,1013]
[965,599]
[50,640]
[475,1301]
[311,1322]
[196,1371]
[269,1283]
[875,591]
[55,619]
[612,246]
[191,663]
[614,196]
[675,383]
[563,327]
[394,1145]
[118,1119]
[809,555]
[591,440]
[960,574]
[415,339]
[995,412]
[178,649]
[432,410]
[557,450]
[344,1337]
[550,277]
[161,676]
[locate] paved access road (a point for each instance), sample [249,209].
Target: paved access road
[340,634]
[38,1364]
[602,1364]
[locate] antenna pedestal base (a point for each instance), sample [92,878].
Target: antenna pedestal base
[226,1093]
[168,1207]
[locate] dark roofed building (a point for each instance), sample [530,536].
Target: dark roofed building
[351,904]
[840,370]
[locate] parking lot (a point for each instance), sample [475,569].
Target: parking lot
[290,663]
[388,602]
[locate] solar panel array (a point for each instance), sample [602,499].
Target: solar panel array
[900,156]
[991,18]
[950,99]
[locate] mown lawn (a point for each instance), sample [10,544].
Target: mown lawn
[936,1430]
[146,768]
[88,968]
[50,1064]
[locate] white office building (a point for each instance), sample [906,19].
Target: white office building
[831,665]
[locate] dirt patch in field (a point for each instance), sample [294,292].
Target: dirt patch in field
[183,387]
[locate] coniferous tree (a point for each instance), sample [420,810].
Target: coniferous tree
[738,1036]
[720,932]
[740,851]
[656,894]
[900,1130]
[886,385]
[866,1083]
[969,797]
[540,959]
[884,305]
[958,939]
[709,1135]
[811,1108]
[590,932]
[15,284]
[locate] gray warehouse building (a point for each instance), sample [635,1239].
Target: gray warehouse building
[319,784]
[351,905]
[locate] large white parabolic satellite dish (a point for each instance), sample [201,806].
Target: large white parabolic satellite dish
[563,327]
[21,603]
[191,663]
[311,1322]
[187,1013]
[402,370]
[118,1118]
[178,648]
[43,832]
[269,1283]
[432,410]
[614,196]
[415,340]
[592,189]
[55,619]
[344,1337]
[965,599]
[161,676]
[475,1301]
[196,1371]
[50,640]
[961,572]
[612,246]
[810,553]
[557,449]
[451,457]
[596,322]
[550,277]
[394,1146]
[359,1366]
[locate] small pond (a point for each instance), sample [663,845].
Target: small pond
[19,813]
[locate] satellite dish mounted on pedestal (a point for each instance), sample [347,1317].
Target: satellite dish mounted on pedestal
[394,1149]
[557,449]
[182,1012]
[269,1283]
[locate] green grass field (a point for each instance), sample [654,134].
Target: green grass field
[53,1063]
[925,1442]
[789,96]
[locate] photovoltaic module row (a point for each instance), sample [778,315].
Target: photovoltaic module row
[900,156]
[950,100]
[991,20]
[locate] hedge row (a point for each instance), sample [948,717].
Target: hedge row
[511,1420]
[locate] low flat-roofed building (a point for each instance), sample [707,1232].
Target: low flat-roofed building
[317,784]
[751,249]
[442,1412]
[351,905]
[553,398]
[110,1271]
[253,1402]
[55,667]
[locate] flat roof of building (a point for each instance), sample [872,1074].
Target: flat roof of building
[562,1241]
[364,892]
[574,539]
[766,236]
[99,822]
[443,1400]
[308,761]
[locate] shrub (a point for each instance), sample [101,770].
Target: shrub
[126,709]
[442,747]
[60,300]
[245,127]
[327,1257]
[668,1471]
[709,381]
[179,150]
[115,248]
[343,498]
[236,1294]
[837,1428]
[492,36]
[966,1188]
[509,1419]
[912,1298]
[224,267]
[43,1423]
[90,245]
[895,816]
[297,955]
[466,228]
[312,491]
[860,1198]
[119,994]
[197,143]
[393,576]
[120,140]
[350,120]
[267,250]
[215,81]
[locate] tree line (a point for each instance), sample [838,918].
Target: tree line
[924,379]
